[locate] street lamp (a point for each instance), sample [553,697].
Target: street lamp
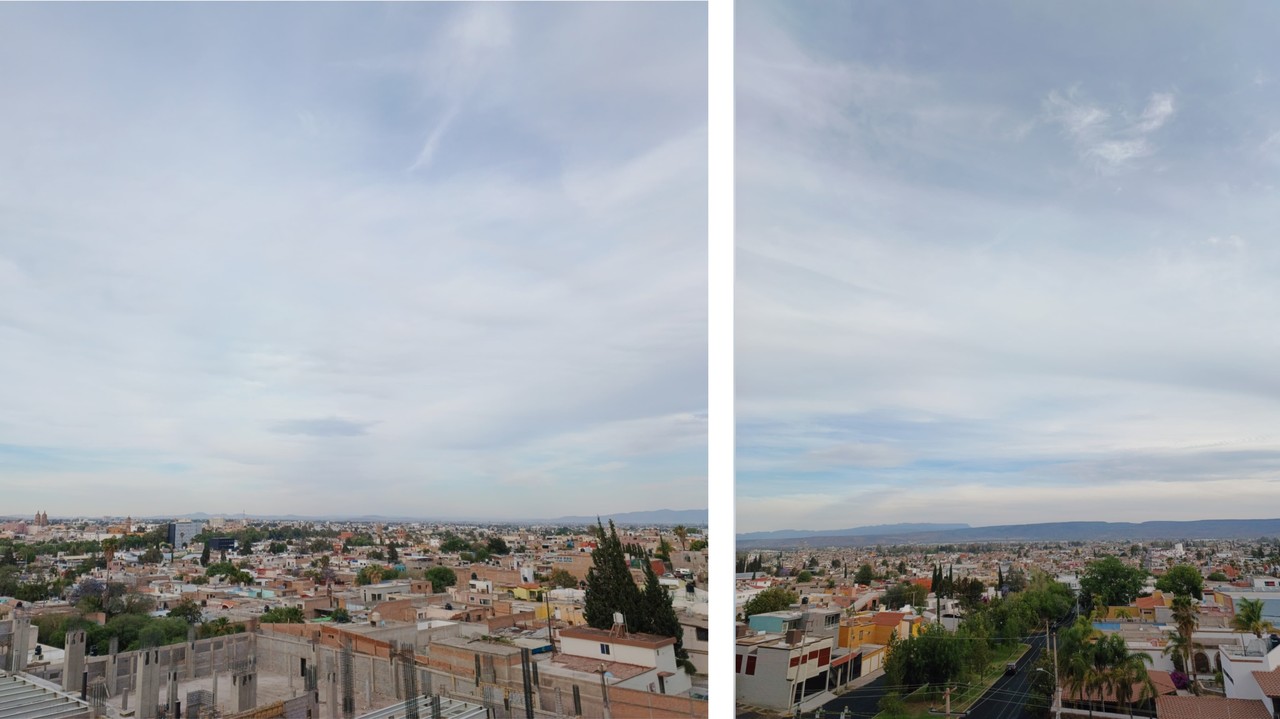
[1057,692]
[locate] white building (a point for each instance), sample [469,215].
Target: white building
[644,662]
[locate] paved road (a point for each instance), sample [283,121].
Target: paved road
[1004,700]
[862,703]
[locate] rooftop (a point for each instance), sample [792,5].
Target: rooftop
[1175,707]
[23,698]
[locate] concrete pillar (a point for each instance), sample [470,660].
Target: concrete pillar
[73,665]
[172,701]
[148,682]
[112,666]
[21,643]
[246,684]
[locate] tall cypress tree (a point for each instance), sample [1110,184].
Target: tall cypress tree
[609,585]
[660,617]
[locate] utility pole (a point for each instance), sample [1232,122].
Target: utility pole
[1057,688]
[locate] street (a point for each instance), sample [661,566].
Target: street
[1004,700]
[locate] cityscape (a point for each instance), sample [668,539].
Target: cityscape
[234,617]
[639,360]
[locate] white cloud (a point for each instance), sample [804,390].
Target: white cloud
[1107,145]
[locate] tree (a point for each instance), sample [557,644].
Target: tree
[865,575]
[660,617]
[1110,582]
[610,587]
[393,555]
[929,658]
[204,555]
[1248,618]
[498,545]
[1015,580]
[664,549]
[562,578]
[188,611]
[1186,618]
[341,615]
[682,535]
[773,599]
[1182,579]
[804,576]
[698,545]
[904,593]
[1218,577]
[283,615]
[441,577]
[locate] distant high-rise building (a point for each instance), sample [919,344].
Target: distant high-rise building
[181,533]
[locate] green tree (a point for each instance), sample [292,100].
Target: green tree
[562,578]
[904,593]
[1110,582]
[283,615]
[865,575]
[497,545]
[804,576]
[682,535]
[341,615]
[610,587]
[204,555]
[188,611]
[1248,618]
[773,599]
[441,577]
[659,617]
[1182,579]
[1218,577]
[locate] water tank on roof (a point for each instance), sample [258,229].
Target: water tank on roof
[375,618]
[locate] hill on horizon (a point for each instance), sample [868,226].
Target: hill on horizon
[1042,532]
[853,531]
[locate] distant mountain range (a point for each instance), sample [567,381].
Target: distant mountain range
[689,517]
[1043,532]
[852,531]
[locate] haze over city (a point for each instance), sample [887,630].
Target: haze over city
[400,259]
[1004,264]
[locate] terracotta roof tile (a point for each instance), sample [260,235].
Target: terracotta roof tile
[888,619]
[1268,682]
[1175,707]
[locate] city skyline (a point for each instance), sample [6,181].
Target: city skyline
[421,255]
[1002,264]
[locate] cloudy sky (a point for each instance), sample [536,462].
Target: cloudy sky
[438,260]
[1006,262]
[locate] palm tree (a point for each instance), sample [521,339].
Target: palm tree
[109,547]
[682,534]
[1249,618]
[1186,618]
[1128,671]
[1183,648]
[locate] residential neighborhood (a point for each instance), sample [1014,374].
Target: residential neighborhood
[1189,625]
[325,616]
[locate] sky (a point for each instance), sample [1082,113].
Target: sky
[437,260]
[1006,262]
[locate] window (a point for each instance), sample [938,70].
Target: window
[604,648]
[701,633]
[751,665]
